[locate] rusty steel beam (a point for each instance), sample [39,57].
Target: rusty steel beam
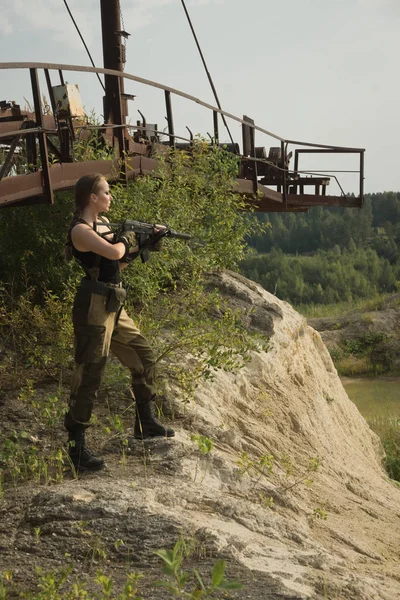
[37,102]
[170,118]
[245,187]
[267,206]
[316,200]
[254,165]
[362,177]
[63,176]
[215,124]
[8,127]
[149,165]
[327,149]
[249,187]
[16,118]
[17,188]
[13,146]
[309,181]
[30,201]
[82,69]
[54,149]
[24,132]
[113,59]
[50,92]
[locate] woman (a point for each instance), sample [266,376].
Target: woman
[101,324]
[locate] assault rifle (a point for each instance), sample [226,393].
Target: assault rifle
[146,236]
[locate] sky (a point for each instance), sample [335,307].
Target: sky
[322,71]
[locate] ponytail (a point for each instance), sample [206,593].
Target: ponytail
[85,186]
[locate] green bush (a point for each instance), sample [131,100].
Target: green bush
[192,193]
[392,462]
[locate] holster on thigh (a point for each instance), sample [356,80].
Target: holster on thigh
[115,299]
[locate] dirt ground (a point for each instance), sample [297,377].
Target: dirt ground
[36,534]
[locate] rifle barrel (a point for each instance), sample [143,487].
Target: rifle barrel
[178,234]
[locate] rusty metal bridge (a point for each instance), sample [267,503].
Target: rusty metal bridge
[38,159]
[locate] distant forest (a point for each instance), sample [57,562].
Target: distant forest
[329,255]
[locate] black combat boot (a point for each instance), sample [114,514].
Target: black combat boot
[80,456]
[146,425]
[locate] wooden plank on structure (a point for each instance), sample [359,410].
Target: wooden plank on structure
[309,181]
[268,206]
[313,200]
[245,186]
[270,194]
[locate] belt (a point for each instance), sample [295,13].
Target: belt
[113,285]
[98,287]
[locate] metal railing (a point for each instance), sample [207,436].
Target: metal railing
[251,163]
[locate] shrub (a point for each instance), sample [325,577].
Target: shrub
[192,193]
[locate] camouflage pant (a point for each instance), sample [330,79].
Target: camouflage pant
[96,333]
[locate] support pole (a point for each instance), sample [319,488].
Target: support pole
[48,190]
[284,167]
[114,58]
[216,134]
[362,177]
[170,119]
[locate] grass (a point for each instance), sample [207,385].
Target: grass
[378,401]
[375,398]
[388,429]
[62,584]
[312,311]
[353,366]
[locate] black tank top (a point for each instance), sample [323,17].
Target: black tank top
[108,269]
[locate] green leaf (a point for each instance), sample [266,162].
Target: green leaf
[218,572]
[182,579]
[168,586]
[199,579]
[230,585]
[169,570]
[166,555]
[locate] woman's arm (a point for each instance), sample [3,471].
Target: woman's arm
[85,239]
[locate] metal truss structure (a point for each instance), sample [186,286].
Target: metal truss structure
[38,158]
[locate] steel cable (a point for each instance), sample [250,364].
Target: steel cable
[83,41]
[206,69]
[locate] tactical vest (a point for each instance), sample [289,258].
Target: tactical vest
[96,267]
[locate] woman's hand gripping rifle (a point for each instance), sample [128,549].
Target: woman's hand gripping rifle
[148,236]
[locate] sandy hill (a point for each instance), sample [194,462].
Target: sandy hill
[293,494]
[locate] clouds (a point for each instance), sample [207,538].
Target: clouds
[5,26]
[383,7]
[141,13]
[377,3]
[50,17]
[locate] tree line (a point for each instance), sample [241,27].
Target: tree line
[329,255]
